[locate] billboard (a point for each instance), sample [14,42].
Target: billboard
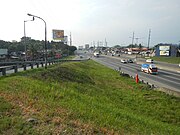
[164,50]
[164,53]
[58,34]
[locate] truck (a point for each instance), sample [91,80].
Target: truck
[96,54]
[149,68]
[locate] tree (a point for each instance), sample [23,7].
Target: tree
[72,49]
[117,46]
[140,47]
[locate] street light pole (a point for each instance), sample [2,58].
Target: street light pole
[25,47]
[45,44]
[25,40]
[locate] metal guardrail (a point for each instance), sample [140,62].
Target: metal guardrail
[6,66]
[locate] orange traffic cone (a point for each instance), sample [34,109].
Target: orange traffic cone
[137,78]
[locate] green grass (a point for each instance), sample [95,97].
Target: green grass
[87,98]
[173,60]
[11,121]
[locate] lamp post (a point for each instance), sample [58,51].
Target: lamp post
[25,47]
[45,44]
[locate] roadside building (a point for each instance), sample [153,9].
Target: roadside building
[3,53]
[167,50]
[80,47]
[137,50]
[86,46]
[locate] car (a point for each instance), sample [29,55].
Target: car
[123,61]
[149,68]
[118,54]
[96,54]
[149,61]
[130,61]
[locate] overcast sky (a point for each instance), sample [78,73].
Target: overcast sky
[93,20]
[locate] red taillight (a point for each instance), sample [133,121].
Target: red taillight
[154,70]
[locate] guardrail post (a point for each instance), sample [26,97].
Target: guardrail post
[42,65]
[15,68]
[3,71]
[31,65]
[24,66]
[119,68]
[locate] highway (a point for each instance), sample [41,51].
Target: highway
[165,79]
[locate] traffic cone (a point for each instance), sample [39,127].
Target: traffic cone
[137,78]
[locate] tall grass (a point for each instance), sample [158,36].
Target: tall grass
[88,98]
[173,60]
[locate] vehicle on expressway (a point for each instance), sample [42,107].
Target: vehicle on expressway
[117,54]
[96,54]
[123,61]
[130,61]
[149,68]
[149,61]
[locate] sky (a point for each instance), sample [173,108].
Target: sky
[90,21]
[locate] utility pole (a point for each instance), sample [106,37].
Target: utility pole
[98,43]
[105,43]
[149,37]
[94,44]
[132,39]
[137,40]
[70,39]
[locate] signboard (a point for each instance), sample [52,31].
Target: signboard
[164,53]
[164,48]
[65,39]
[3,51]
[58,34]
[58,55]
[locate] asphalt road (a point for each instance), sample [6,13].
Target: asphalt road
[164,79]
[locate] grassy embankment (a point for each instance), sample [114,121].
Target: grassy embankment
[173,60]
[83,98]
